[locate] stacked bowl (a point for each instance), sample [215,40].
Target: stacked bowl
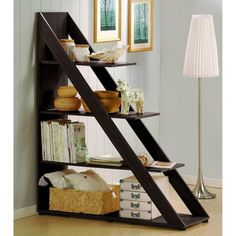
[67,100]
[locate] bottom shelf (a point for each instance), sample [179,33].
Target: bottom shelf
[188,220]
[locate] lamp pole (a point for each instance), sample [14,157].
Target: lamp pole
[200,190]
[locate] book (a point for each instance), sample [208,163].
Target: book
[108,160]
[78,145]
[161,164]
[43,140]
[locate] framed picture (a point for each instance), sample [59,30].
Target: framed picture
[107,20]
[140,35]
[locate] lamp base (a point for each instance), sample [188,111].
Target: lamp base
[200,192]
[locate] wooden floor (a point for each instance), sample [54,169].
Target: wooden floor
[60,226]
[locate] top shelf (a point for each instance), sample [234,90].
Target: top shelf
[93,63]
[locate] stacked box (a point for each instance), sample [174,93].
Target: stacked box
[135,202]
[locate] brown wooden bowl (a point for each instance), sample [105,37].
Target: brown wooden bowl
[110,105]
[67,104]
[66,91]
[106,94]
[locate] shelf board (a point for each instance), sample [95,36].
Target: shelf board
[130,116]
[188,220]
[92,63]
[150,169]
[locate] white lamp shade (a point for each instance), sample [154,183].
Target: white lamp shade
[201,58]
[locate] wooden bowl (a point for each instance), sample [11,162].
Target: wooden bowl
[106,94]
[66,91]
[67,104]
[110,105]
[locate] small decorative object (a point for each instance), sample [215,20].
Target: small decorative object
[130,95]
[66,91]
[111,56]
[68,45]
[144,158]
[140,25]
[66,100]
[107,20]
[67,104]
[201,62]
[81,52]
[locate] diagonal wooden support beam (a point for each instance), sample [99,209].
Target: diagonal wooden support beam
[156,195]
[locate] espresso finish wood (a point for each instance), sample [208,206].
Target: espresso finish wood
[188,220]
[125,167]
[93,63]
[130,116]
[51,27]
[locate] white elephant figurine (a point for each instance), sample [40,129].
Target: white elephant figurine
[130,95]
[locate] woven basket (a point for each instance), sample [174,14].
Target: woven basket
[96,203]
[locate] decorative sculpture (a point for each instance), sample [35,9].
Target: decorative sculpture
[107,56]
[130,95]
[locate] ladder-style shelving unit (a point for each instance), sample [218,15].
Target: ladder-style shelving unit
[53,70]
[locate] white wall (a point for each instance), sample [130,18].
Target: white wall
[146,76]
[178,104]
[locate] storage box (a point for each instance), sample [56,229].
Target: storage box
[136,205]
[96,203]
[132,184]
[144,215]
[135,202]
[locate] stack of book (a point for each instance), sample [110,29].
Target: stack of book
[107,160]
[63,141]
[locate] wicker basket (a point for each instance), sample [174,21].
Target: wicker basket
[96,203]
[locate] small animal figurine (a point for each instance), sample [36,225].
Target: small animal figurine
[130,95]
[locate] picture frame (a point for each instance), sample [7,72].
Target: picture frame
[107,20]
[140,25]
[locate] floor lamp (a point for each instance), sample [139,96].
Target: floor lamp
[201,61]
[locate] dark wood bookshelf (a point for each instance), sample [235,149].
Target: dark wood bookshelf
[52,26]
[93,63]
[130,116]
[150,169]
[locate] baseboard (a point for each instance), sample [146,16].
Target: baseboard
[209,182]
[25,212]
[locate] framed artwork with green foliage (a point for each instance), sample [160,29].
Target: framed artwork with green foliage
[140,17]
[107,20]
